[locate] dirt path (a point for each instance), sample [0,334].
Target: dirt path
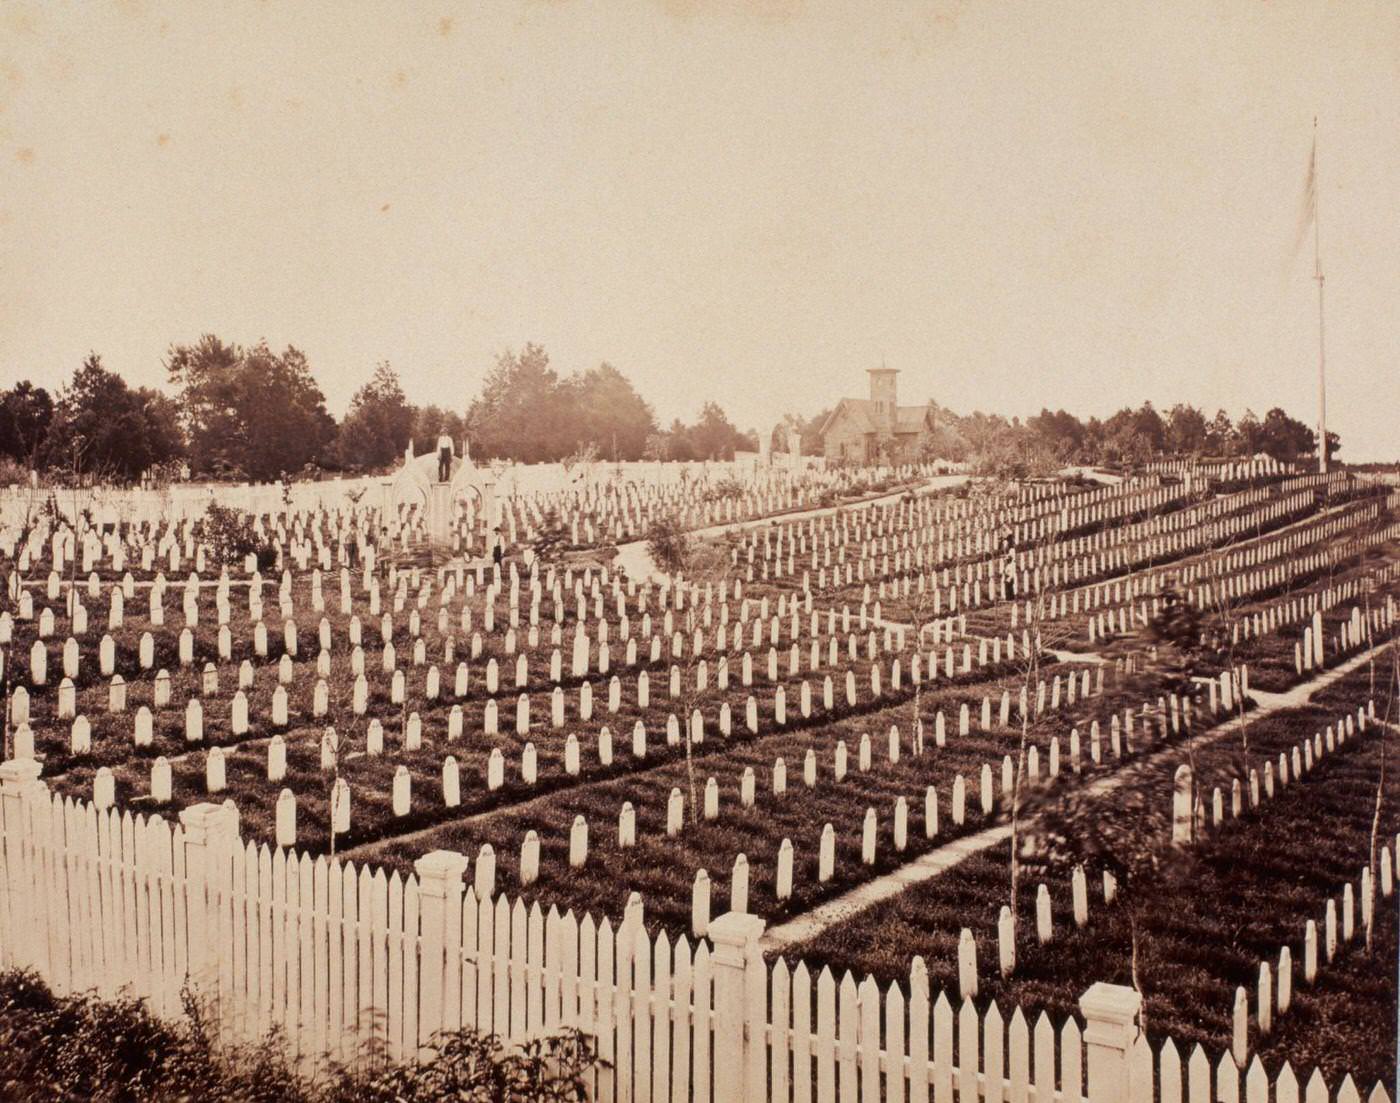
[930,865]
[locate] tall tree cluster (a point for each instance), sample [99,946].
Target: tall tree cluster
[98,425]
[249,413]
[527,412]
[1130,436]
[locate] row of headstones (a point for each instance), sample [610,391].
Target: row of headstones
[1044,916]
[937,519]
[1119,591]
[117,699]
[1187,543]
[1029,582]
[926,548]
[240,719]
[71,667]
[1309,652]
[581,644]
[1126,617]
[1180,547]
[1189,815]
[1273,991]
[215,771]
[675,812]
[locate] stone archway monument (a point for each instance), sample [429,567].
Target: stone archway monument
[419,483]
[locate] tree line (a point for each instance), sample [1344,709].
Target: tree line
[1129,437]
[249,413]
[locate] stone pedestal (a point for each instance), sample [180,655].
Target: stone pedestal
[440,514]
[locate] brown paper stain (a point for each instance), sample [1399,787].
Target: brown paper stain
[19,19]
[162,139]
[25,156]
[445,25]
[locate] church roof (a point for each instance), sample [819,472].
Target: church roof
[908,419]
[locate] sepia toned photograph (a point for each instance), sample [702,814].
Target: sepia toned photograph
[699,551]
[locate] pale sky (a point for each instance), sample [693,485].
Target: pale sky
[1078,204]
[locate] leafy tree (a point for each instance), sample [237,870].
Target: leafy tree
[1248,435]
[517,414]
[249,412]
[552,540]
[810,428]
[605,410]
[669,544]
[658,447]
[1135,436]
[1219,434]
[1178,632]
[1288,440]
[714,436]
[1060,433]
[101,425]
[1187,430]
[678,443]
[1128,838]
[1013,456]
[25,414]
[378,424]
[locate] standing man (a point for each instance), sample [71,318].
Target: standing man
[1009,565]
[444,451]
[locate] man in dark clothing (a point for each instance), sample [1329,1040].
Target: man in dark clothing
[444,458]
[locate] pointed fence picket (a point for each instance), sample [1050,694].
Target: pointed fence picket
[349,963]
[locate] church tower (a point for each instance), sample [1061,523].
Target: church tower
[884,396]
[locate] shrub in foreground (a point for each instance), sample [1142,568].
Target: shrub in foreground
[82,1047]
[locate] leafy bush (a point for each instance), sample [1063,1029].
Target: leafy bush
[725,489]
[231,537]
[552,538]
[13,473]
[468,1066]
[81,1047]
[667,542]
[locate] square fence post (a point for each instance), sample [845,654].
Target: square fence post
[440,921]
[1110,1028]
[208,830]
[23,920]
[739,1045]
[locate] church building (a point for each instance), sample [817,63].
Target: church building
[876,429]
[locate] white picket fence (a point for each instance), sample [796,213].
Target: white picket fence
[350,962]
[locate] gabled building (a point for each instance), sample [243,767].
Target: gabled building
[876,429]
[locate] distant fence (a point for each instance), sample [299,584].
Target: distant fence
[179,501]
[340,959]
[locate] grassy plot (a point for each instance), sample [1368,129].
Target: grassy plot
[663,868]
[1249,889]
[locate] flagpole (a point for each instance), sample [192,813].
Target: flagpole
[1321,326]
